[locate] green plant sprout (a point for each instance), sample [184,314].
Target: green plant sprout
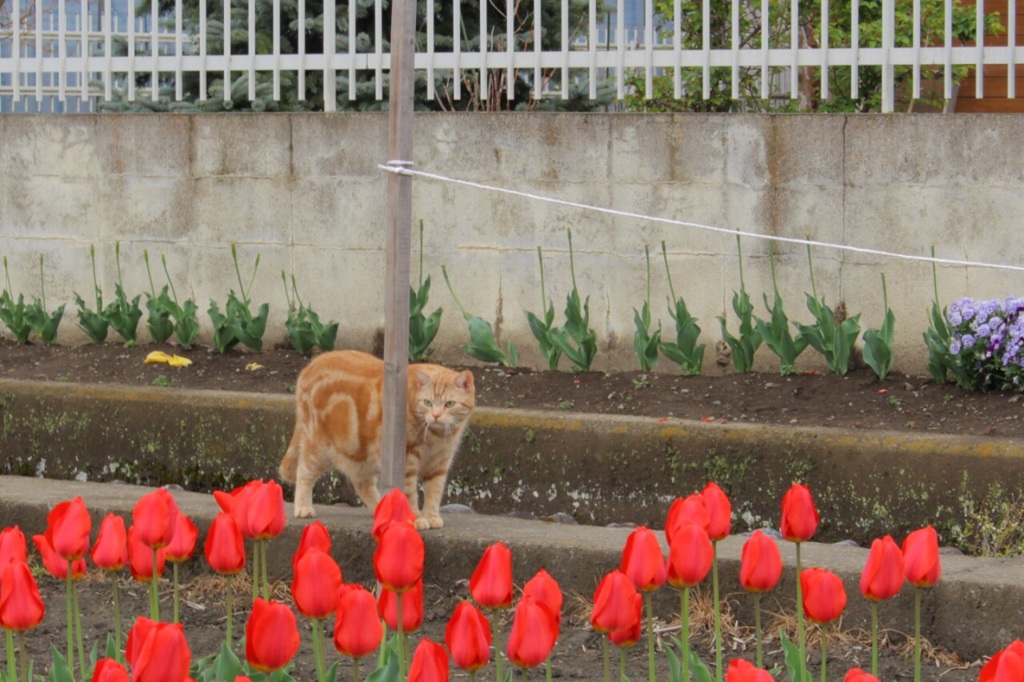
[305,330]
[482,345]
[237,324]
[422,328]
[776,334]
[743,347]
[576,339]
[684,351]
[833,339]
[93,322]
[936,337]
[878,342]
[24,320]
[158,322]
[544,331]
[123,314]
[645,343]
[186,323]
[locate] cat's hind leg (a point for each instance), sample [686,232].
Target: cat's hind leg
[307,471]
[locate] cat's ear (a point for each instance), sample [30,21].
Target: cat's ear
[422,378]
[464,380]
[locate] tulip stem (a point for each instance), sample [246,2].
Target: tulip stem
[255,569]
[622,664]
[318,649]
[263,568]
[401,639]
[650,636]
[68,583]
[22,656]
[757,627]
[231,607]
[824,654]
[874,638]
[154,597]
[607,660]
[497,645]
[718,614]
[801,640]
[355,670]
[11,670]
[78,631]
[684,631]
[175,569]
[117,616]
[547,668]
[917,634]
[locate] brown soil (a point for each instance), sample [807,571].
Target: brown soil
[858,400]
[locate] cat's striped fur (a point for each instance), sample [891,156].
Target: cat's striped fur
[338,401]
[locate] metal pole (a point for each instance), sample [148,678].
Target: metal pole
[396,312]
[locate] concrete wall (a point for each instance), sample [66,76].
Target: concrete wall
[304,192]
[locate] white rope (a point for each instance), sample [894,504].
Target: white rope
[394,167]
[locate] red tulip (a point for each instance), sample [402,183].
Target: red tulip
[111,549]
[315,584]
[157,652]
[613,603]
[544,588]
[357,629]
[858,675]
[429,663]
[155,518]
[882,577]
[21,606]
[921,557]
[271,635]
[630,635]
[760,563]
[12,545]
[1005,666]
[690,556]
[412,608]
[225,548]
[67,529]
[642,561]
[393,507]
[799,515]
[468,636]
[686,510]
[534,633]
[109,670]
[259,511]
[183,541]
[491,582]
[719,512]
[56,565]
[228,501]
[398,559]
[140,558]
[740,670]
[824,595]
[315,535]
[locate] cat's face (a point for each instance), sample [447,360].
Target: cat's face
[444,399]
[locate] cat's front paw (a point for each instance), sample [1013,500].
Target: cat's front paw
[304,512]
[427,522]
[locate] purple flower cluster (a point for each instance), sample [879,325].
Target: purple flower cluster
[987,340]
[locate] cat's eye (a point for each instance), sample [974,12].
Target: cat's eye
[427,402]
[450,404]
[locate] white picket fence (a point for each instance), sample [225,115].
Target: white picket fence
[63,51]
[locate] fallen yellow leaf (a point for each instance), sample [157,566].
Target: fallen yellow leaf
[157,356]
[178,361]
[253,366]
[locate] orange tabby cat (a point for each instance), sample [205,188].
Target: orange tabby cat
[338,425]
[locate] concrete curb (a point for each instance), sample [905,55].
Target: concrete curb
[976,608]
